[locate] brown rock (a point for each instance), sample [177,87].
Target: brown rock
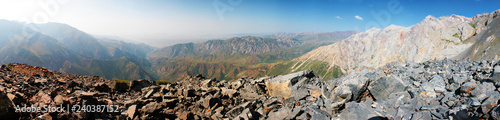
[131,111]
[119,86]
[151,108]
[6,107]
[228,92]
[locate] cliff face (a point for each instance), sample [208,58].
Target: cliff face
[433,38]
[485,40]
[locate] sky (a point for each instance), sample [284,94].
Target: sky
[165,22]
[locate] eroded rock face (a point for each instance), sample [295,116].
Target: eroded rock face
[442,89]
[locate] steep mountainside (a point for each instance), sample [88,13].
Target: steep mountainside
[433,38]
[42,50]
[486,44]
[76,40]
[32,48]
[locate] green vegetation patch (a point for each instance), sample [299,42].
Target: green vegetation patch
[320,68]
[472,25]
[457,36]
[449,41]
[121,81]
[162,82]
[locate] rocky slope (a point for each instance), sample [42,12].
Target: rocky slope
[433,38]
[485,45]
[445,89]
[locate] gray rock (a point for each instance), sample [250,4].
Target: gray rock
[280,114]
[294,113]
[300,94]
[423,115]
[496,74]
[303,116]
[490,102]
[495,113]
[357,111]
[351,87]
[430,107]
[319,117]
[467,88]
[452,87]
[238,109]
[228,92]
[436,84]
[481,89]
[312,110]
[461,115]
[246,114]
[383,87]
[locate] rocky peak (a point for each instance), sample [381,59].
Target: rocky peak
[430,18]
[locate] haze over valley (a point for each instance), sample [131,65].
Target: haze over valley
[242,59]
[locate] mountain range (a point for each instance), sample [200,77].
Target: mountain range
[67,49]
[64,48]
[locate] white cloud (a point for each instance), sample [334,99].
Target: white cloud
[357,17]
[338,17]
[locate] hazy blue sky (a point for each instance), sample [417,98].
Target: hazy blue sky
[194,19]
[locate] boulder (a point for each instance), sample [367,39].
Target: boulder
[280,114]
[383,87]
[358,111]
[495,113]
[119,86]
[151,108]
[423,115]
[281,85]
[7,107]
[467,88]
[131,111]
[496,74]
[481,90]
[436,84]
[102,87]
[137,85]
[228,92]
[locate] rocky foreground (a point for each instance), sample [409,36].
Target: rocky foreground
[443,89]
